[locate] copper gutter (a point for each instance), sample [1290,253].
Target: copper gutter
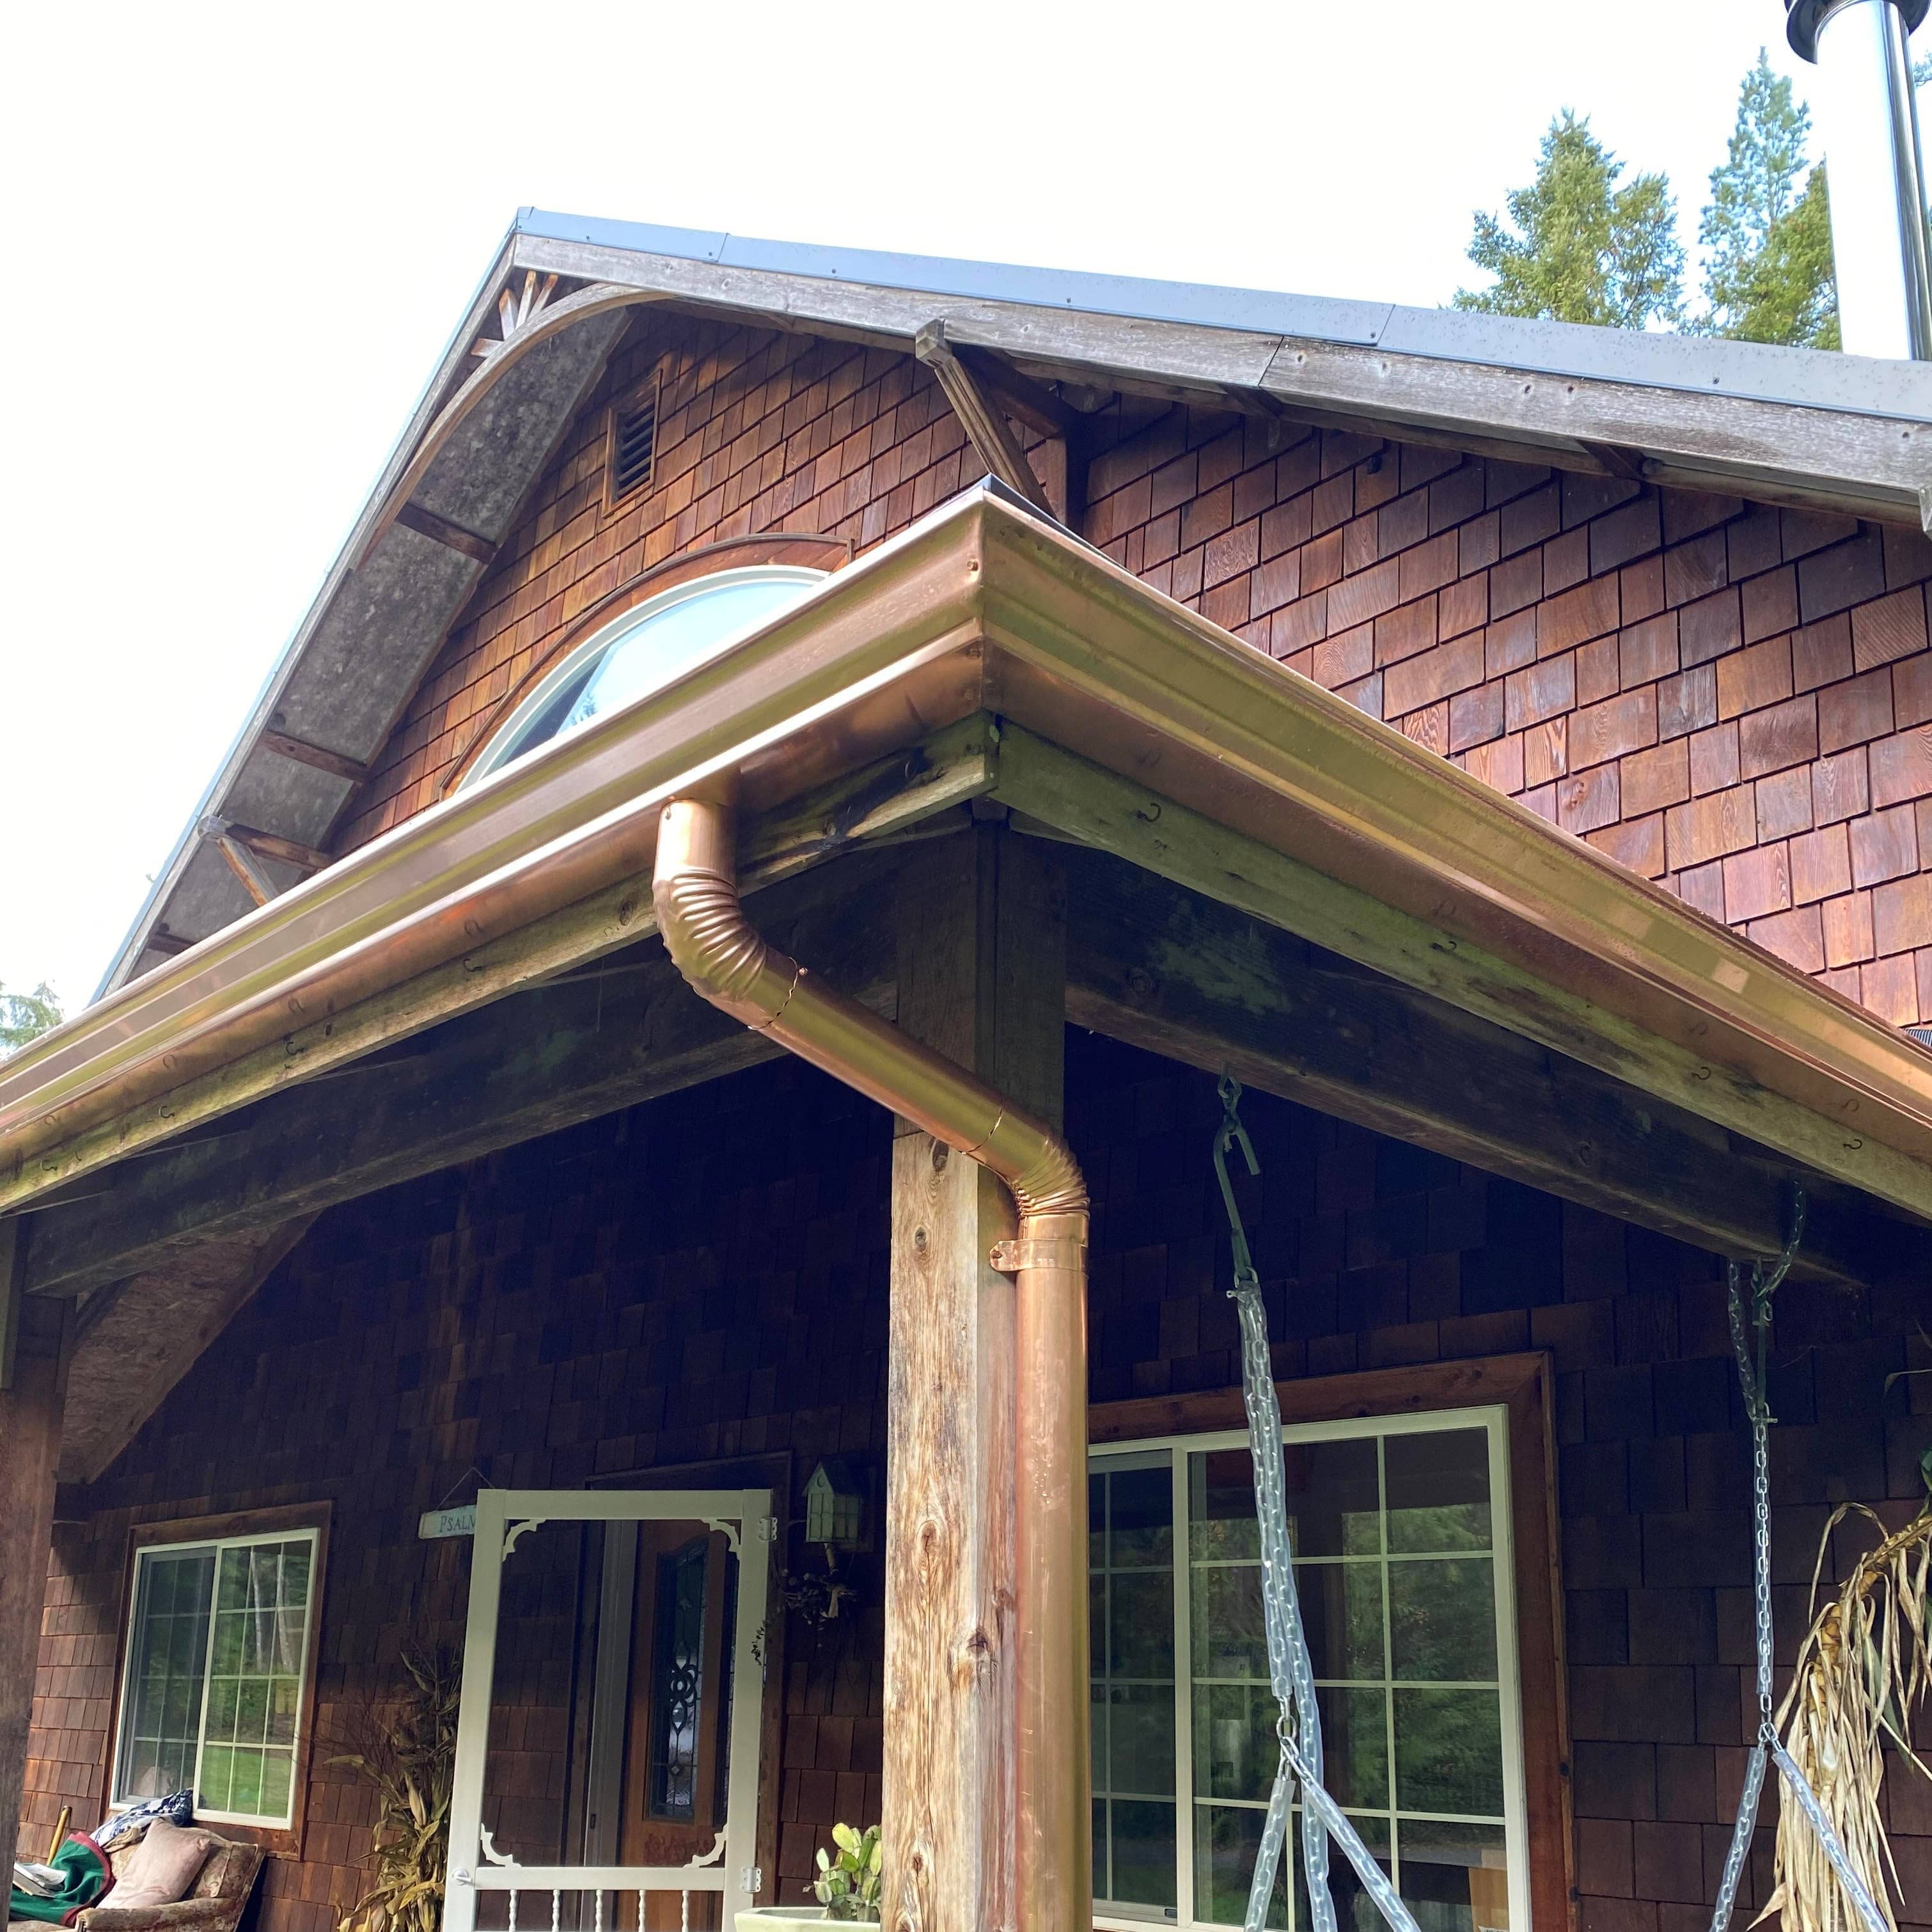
[704,929]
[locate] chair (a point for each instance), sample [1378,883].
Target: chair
[214,1904]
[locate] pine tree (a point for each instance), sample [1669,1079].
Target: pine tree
[1768,272]
[1583,248]
[26,1016]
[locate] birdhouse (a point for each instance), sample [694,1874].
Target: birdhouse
[835,1505]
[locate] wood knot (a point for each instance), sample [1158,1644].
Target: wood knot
[941,1154]
[979,1644]
[919,1240]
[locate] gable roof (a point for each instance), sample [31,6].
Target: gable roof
[1844,434]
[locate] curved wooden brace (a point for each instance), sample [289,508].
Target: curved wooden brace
[597,299]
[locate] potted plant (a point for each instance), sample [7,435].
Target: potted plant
[848,1886]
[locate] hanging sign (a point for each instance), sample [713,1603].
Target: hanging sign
[438,1522]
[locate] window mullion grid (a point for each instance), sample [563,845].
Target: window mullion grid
[1509,1670]
[1183,1693]
[207,1673]
[1388,1656]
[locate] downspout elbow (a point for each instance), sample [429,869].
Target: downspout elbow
[714,946]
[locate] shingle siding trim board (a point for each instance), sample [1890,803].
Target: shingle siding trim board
[1723,695]
[705,1278]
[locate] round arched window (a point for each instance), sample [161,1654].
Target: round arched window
[649,645]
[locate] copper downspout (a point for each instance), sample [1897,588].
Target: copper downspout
[714,946]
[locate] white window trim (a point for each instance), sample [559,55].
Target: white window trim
[147,1552]
[1494,1419]
[490,761]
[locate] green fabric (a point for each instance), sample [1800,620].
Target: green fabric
[86,1876]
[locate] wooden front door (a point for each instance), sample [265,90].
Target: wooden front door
[677,1735]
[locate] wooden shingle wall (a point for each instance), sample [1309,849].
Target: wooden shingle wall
[1375,1255]
[756,432]
[699,1281]
[1733,699]
[703,1278]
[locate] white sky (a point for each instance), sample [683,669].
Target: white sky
[242,236]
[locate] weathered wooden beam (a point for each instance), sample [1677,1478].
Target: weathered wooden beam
[273,845]
[1173,972]
[876,802]
[338,764]
[255,882]
[30,1434]
[1023,399]
[13,1295]
[1618,461]
[1833,458]
[548,1058]
[981,941]
[1097,807]
[451,536]
[979,416]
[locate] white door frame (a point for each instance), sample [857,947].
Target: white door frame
[731,1868]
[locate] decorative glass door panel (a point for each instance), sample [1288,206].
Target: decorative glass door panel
[607,1746]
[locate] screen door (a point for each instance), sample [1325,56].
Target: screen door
[607,1753]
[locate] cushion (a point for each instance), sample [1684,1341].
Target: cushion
[161,1868]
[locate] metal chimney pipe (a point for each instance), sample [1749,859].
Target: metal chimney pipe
[1870,122]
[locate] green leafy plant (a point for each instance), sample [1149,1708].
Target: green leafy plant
[1767,228]
[26,1016]
[848,1886]
[1585,245]
[405,1748]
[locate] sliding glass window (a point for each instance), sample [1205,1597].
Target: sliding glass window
[1400,1527]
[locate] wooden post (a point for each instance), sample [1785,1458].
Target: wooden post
[33,1386]
[982,971]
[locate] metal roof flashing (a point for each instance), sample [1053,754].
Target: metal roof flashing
[1806,378]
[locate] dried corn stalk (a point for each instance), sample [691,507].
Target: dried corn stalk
[1863,1668]
[405,1748]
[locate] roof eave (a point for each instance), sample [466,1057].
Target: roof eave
[980,606]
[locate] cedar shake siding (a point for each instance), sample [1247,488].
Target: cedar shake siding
[703,1280]
[1732,699]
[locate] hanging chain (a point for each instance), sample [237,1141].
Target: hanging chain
[1753,1353]
[1291,1670]
[513,1908]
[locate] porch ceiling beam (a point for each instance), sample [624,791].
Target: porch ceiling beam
[1171,971]
[1412,945]
[893,797]
[555,1056]
[1150,963]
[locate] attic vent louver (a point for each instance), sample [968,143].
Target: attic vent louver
[634,428]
